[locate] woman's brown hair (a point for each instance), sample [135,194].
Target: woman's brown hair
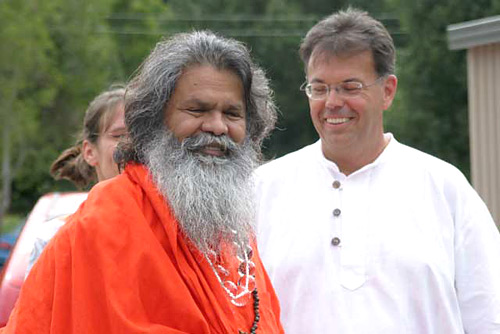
[70,164]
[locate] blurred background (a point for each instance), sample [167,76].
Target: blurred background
[56,55]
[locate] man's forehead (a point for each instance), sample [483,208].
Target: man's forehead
[340,63]
[324,55]
[203,84]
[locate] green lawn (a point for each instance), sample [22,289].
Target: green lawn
[10,222]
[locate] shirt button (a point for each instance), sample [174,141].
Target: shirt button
[335,241]
[336,212]
[336,184]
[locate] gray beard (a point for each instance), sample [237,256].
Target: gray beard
[211,197]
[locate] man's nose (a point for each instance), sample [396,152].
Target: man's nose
[214,122]
[333,99]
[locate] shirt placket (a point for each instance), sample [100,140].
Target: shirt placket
[336,227]
[354,215]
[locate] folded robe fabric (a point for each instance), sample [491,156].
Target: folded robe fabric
[120,265]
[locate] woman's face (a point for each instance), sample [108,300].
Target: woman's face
[100,154]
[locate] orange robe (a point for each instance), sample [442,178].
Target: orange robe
[121,266]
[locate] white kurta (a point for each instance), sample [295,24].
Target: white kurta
[403,245]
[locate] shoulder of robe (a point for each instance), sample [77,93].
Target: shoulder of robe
[110,203]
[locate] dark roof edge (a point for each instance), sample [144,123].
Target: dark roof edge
[469,34]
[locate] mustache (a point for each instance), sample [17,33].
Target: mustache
[198,142]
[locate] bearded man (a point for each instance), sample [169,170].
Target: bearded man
[168,245]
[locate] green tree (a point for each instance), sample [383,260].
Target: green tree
[136,26]
[431,110]
[56,56]
[273,29]
[25,61]
[83,62]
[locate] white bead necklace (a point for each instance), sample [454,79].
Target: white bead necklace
[240,293]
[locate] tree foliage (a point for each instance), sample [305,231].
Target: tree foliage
[58,54]
[25,61]
[431,110]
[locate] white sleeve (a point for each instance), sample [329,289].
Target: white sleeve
[38,247]
[47,231]
[477,266]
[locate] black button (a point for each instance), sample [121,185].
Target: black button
[336,212]
[335,241]
[336,184]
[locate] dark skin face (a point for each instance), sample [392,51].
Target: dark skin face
[207,100]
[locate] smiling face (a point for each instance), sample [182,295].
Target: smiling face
[350,128]
[207,100]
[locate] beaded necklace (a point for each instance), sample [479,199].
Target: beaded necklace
[253,329]
[245,288]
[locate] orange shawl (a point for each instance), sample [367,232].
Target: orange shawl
[120,266]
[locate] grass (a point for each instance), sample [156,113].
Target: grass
[10,222]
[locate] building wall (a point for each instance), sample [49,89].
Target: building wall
[484,123]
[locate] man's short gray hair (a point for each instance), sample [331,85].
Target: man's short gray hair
[348,32]
[150,90]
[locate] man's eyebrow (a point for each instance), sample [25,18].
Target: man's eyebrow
[196,101]
[236,106]
[352,79]
[345,80]
[204,104]
[314,80]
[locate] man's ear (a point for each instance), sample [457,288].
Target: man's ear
[390,88]
[89,152]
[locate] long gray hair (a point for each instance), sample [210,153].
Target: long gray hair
[154,83]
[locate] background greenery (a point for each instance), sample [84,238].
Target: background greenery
[56,55]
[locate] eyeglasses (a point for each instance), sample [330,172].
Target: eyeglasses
[346,89]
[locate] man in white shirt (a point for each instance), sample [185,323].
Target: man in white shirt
[360,233]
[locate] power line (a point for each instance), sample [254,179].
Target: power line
[230,32]
[211,18]
[225,32]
